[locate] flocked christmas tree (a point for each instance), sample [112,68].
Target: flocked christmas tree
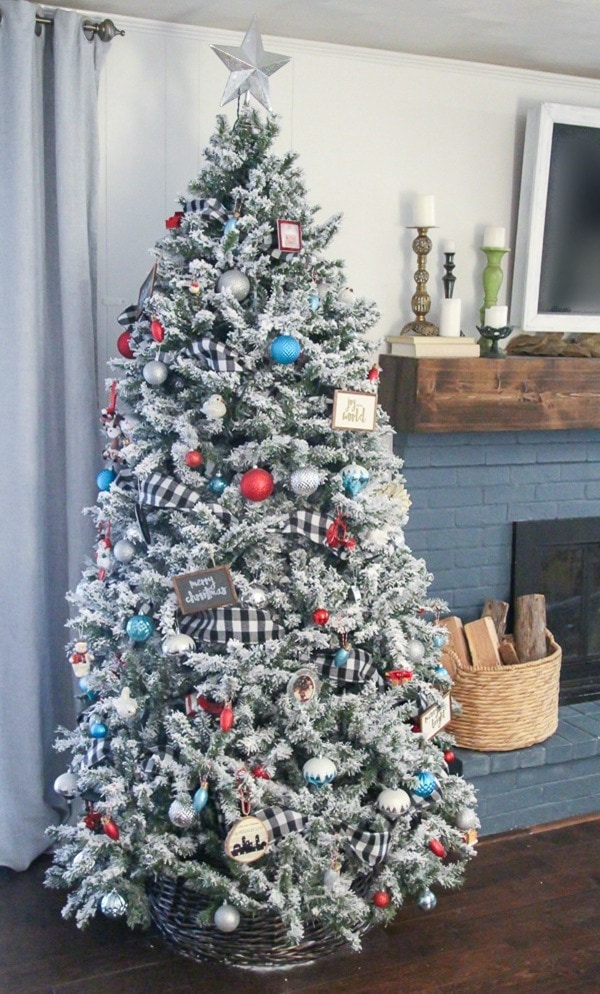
[254,645]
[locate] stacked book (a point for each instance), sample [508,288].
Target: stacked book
[432,346]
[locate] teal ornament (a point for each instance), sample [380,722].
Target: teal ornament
[230,225]
[426,784]
[441,673]
[200,799]
[285,349]
[217,484]
[427,900]
[354,479]
[314,301]
[439,639]
[98,730]
[105,479]
[341,657]
[140,627]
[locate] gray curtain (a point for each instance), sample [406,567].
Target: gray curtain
[48,393]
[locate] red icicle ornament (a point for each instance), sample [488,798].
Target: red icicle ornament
[110,828]
[226,718]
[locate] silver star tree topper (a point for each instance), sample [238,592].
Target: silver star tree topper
[249,67]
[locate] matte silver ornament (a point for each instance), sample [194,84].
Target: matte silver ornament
[178,643]
[113,905]
[236,282]
[181,812]
[227,918]
[155,372]
[466,819]
[305,481]
[123,550]
[66,785]
[415,651]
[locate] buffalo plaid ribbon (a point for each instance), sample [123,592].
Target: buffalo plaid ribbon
[166,492]
[129,316]
[155,754]
[309,523]
[206,207]
[245,624]
[358,668]
[215,355]
[282,821]
[98,752]
[370,847]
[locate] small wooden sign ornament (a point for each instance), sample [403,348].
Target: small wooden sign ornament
[436,717]
[354,410]
[289,236]
[204,589]
[248,840]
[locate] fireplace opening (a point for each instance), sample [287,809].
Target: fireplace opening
[561,559]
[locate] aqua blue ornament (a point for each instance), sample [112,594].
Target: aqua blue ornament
[230,225]
[140,627]
[441,673]
[217,484]
[200,798]
[105,478]
[98,730]
[426,784]
[83,685]
[314,301]
[285,349]
[439,639]
[354,479]
[341,657]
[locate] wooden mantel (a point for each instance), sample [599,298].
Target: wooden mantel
[520,393]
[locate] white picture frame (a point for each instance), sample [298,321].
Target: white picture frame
[529,313]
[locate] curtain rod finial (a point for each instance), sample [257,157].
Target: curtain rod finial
[106,30]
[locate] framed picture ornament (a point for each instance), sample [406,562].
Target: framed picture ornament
[354,411]
[289,236]
[303,686]
[436,717]
[204,589]
[247,840]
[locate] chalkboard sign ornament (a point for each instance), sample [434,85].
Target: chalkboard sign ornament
[204,589]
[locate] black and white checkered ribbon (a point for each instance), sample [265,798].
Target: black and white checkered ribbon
[158,490]
[358,668]
[129,316]
[98,752]
[245,624]
[309,523]
[155,754]
[215,355]
[282,821]
[370,847]
[206,207]
[124,479]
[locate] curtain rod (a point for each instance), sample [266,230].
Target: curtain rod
[105,30]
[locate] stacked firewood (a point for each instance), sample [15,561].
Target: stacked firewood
[484,644]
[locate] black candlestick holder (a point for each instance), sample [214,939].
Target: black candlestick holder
[494,335]
[448,279]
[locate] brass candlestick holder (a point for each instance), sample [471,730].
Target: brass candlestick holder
[420,300]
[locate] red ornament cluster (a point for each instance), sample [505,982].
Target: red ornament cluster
[337,535]
[257,484]
[175,220]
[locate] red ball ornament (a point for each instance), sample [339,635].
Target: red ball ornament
[437,848]
[373,373]
[320,616]
[194,459]
[449,756]
[226,718]
[124,345]
[381,898]
[257,484]
[110,828]
[260,772]
[156,330]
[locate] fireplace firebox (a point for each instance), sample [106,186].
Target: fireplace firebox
[561,559]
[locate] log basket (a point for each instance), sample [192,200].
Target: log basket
[511,707]
[260,940]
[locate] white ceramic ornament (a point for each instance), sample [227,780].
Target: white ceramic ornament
[305,481]
[393,803]
[214,407]
[155,372]
[178,643]
[123,550]
[227,918]
[125,705]
[319,771]
[466,819]
[113,905]
[181,812]
[66,785]
[346,296]
[415,651]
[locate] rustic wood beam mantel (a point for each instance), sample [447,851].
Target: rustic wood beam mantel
[520,393]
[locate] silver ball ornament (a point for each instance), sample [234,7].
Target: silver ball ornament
[305,481]
[415,651]
[123,550]
[181,812]
[227,918]
[427,900]
[393,803]
[155,372]
[113,905]
[466,819]
[66,785]
[178,643]
[256,597]
[236,282]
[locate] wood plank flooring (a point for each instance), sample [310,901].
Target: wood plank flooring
[526,922]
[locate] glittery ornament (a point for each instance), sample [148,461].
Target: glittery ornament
[181,812]
[314,301]
[415,651]
[110,828]
[426,784]
[155,372]
[194,459]
[227,918]
[341,657]
[285,349]
[256,596]
[427,900]
[257,484]
[305,481]
[139,627]
[113,905]
[439,639]
[230,225]
[465,819]
[123,551]
[393,803]
[319,771]
[373,374]
[249,68]
[437,848]
[156,330]
[236,282]
[105,479]
[226,718]
[381,899]
[98,730]
[217,484]
[441,673]
[320,616]
[66,785]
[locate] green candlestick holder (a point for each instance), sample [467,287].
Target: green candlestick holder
[492,277]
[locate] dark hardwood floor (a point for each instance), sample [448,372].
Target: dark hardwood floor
[526,922]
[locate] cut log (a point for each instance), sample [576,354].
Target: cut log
[483,644]
[508,653]
[498,612]
[455,653]
[530,627]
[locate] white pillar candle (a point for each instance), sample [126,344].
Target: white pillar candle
[494,237]
[450,318]
[448,247]
[424,211]
[496,317]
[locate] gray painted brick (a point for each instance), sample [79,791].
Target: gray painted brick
[578,509]
[506,822]
[474,557]
[459,456]
[479,515]
[592,490]
[424,519]
[501,762]
[510,493]
[540,510]
[414,457]
[587,724]
[477,763]
[448,538]
[501,455]
[497,534]
[583,707]
[535,473]
[462,497]
[558,749]
[432,477]
[440,559]
[593,451]
[568,788]
[560,491]
[534,756]
[482,475]
[571,452]
[516,800]
[580,471]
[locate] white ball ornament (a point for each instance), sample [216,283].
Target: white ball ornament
[113,905]
[123,551]
[319,771]
[177,644]
[155,372]
[393,803]
[181,812]
[227,918]
[66,785]
[415,651]
[305,481]
[466,819]
[236,282]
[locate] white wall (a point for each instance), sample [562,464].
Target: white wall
[372,129]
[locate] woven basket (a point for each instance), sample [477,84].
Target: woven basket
[260,940]
[507,708]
